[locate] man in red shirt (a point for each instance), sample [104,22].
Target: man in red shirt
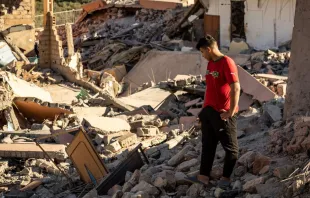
[218,117]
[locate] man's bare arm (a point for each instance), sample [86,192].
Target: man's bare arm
[234,97]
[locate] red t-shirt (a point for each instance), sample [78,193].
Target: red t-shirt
[220,74]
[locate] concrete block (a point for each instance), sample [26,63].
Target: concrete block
[39,127]
[136,124]
[147,131]
[114,146]
[281,89]
[99,138]
[128,140]
[107,138]
[274,112]
[187,165]
[176,159]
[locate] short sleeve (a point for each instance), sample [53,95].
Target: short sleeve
[231,71]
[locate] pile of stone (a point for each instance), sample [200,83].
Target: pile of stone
[267,62]
[275,83]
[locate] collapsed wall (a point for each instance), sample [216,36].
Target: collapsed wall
[17,23]
[298,87]
[16,12]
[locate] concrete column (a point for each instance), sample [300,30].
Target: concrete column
[298,88]
[69,40]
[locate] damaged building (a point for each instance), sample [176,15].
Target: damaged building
[17,23]
[262,24]
[110,107]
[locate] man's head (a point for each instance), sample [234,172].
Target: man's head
[207,46]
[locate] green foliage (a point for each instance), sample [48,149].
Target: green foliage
[61,5]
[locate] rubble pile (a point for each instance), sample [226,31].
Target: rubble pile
[126,137]
[121,35]
[273,62]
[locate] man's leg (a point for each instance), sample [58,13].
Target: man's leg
[229,141]
[209,143]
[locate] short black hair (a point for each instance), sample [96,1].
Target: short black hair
[207,41]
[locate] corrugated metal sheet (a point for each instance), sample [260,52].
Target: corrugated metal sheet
[6,55]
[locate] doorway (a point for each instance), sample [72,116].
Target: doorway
[237,19]
[212,26]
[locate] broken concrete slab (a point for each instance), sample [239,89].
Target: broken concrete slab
[152,96]
[253,87]
[31,150]
[83,112]
[106,124]
[274,112]
[245,102]
[161,65]
[22,88]
[61,93]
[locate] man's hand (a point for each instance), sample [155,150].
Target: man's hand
[227,114]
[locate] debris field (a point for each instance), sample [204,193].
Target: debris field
[109,109]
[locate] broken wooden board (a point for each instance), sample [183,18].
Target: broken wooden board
[33,108]
[253,87]
[85,158]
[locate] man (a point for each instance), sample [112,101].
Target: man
[218,117]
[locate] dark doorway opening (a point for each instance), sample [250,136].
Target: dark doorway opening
[237,19]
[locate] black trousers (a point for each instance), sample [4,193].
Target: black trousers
[215,130]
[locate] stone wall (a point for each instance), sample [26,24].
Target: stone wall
[16,12]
